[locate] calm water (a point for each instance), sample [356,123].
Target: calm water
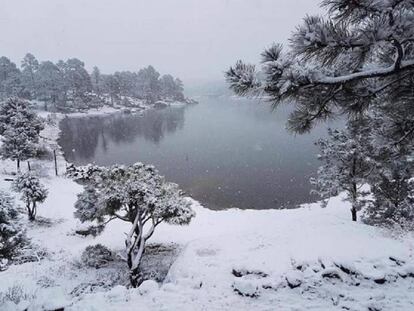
[223,152]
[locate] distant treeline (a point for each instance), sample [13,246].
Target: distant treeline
[67,85]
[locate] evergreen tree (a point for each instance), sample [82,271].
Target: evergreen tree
[77,79]
[171,88]
[30,65]
[134,194]
[391,181]
[148,84]
[12,236]
[20,128]
[32,192]
[96,80]
[10,78]
[51,84]
[346,167]
[112,86]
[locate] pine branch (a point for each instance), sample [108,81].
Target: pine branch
[367,74]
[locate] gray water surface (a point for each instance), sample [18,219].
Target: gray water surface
[223,152]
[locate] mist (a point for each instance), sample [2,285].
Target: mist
[192,39]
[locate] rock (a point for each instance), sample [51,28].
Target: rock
[347,268]
[294,279]
[398,261]
[246,288]
[375,275]
[409,270]
[242,272]
[148,287]
[331,273]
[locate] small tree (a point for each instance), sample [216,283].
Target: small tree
[17,146]
[12,236]
[345,168]
[20,128]
[32,192]
[134,194]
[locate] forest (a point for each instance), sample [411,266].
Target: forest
[67,86]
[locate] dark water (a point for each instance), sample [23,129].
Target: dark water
[223,152]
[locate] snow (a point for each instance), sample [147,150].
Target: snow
[229,260]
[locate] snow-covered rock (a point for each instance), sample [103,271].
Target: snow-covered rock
[294,279]
[246,287]
[148,287]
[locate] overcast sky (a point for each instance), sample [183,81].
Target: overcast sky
[192,39]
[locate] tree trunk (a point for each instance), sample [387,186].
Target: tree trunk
[134,260]
[55,161]
[30,211]
[354,214]
[136,277]
[18,165]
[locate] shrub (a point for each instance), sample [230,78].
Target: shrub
[96,256]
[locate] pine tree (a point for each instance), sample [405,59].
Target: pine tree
[96,80]
[20,128]
[149,84]
[12,236]
[30,65]
[112,86]
[391,181]
[51,84]
[10,78]
[346,167]
[136,194]
[32,192]
[17,145]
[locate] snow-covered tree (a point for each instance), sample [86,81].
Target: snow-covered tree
[393,197]
[17,146]
[12,235]
[31,192]
[10,78]
[136,194]
[77,78]
[346,167]
[96,80]
[30,65]
[20,128]
[392,180]
[112,87]
[51,84]
[148,84]
[171,88]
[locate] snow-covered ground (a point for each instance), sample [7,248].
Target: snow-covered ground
[308,258]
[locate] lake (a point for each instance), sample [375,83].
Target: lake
[223,152]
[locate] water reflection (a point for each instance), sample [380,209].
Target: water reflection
[81,137]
